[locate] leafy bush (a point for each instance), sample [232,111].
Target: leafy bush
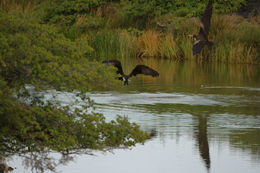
[65,12]
[140,12]
[38,127]
[36,54]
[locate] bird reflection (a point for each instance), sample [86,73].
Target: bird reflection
[202,140]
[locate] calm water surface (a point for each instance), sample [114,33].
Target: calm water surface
[206,117]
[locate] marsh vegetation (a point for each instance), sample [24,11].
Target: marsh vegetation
[58,45]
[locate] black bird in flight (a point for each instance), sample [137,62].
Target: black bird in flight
[202,38]
[139,69]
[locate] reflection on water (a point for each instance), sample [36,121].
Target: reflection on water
[201,138]
[207,119]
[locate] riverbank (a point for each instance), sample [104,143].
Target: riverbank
[119,30]
[236,40]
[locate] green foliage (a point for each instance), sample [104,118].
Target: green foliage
[110,44]
[65,12]
[43,126]
[138,12]
[225,6]
[235,40]
[56,44]
[37,54]
[106,44]
[94,14]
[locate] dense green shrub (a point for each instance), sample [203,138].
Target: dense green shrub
[140,11]
[137,13]
[65,12]
[36,54]
[37,127]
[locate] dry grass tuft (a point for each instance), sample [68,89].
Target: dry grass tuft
[24,5]
[148,43]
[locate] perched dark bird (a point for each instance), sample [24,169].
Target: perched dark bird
[139,69]
[202,38]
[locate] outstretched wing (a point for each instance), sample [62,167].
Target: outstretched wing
[205,20]
[116,64]
[142,69]
[202,35]
[197,47]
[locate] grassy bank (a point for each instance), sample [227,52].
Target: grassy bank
[236,40]
[124,29]
[39,55]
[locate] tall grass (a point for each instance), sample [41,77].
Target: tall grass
[128,48]
[148,43]
[24,5]
[169,47]
[105,44]
[235,39]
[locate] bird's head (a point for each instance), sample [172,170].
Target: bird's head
[193,36]
[125,82]
[125,79]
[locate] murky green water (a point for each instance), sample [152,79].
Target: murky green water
[207,119]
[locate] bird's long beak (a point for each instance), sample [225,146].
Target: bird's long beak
[190,35]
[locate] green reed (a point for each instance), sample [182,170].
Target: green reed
[105,44]
[24,5]
[236,40]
